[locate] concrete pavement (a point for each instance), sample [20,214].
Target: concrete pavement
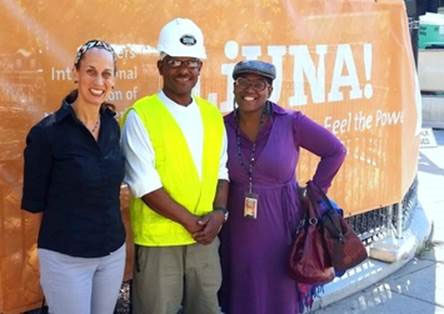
[418,284]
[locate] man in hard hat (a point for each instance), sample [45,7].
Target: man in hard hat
[175,145]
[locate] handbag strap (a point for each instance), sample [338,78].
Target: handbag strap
[312,208]
[313,187]
[309,212]
[334,227]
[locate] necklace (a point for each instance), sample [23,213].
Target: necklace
[252,158]
[96,125]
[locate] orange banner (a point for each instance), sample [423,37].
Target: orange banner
[346,63]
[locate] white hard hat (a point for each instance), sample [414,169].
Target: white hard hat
[182,38]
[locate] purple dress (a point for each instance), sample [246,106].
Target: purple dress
[254,252]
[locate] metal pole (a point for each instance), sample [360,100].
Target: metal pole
[399,230]
[389,218]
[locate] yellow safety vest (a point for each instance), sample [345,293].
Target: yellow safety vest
[177,171]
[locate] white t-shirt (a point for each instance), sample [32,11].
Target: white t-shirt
[141,174]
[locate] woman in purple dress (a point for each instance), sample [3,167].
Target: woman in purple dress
[264,141]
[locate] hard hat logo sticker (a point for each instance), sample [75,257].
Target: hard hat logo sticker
[188,40]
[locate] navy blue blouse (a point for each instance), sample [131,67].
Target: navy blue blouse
[75,181]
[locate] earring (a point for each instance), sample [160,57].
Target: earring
[75,81]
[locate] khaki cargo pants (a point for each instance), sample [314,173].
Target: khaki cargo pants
[168,278]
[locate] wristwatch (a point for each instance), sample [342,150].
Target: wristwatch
[224,210]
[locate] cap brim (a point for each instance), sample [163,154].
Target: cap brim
[264,74]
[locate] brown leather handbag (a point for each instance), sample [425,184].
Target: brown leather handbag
[343,246]
[324,243]
[309,262]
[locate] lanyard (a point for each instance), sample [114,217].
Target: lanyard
[252,160]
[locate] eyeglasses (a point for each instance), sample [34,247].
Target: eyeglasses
[177,63]
[258,85]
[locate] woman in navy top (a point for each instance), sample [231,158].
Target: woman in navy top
[73,171]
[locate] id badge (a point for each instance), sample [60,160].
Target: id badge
[250,205]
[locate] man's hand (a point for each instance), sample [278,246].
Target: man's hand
[193,225]
[211,223]
[161,202]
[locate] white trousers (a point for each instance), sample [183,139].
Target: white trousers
[78,285]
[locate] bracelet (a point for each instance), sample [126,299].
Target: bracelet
[223,210]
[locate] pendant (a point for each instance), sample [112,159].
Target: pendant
[250,205]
